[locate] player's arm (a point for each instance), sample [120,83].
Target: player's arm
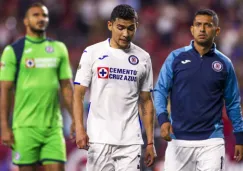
[147,115]
[7,75]
[146,111]
[82,82]
[6,94]
[233,108]
[82,139]
[161,93]
[65,79]
[67,94]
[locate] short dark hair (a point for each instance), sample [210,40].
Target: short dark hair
[36,4]
[208,12]
[125,12]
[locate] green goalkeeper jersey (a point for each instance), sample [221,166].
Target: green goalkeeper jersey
[42,65]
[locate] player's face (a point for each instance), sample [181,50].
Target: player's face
[37,19]
[204,30]
[122,32]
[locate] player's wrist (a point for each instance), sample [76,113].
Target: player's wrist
[5,125]
[150,144]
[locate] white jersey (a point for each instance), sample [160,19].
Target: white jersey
[115,77]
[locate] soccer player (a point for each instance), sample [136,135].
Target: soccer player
[119,75]
[199,80]
[35,67]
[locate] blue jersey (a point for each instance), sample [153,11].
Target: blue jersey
[198,87]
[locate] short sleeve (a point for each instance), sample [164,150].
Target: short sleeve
[84,71]
[65,71]
[8,65]
[147,84]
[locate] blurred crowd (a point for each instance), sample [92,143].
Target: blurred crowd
[163,26]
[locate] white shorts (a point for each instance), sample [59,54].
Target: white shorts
[205,158]
[104,157]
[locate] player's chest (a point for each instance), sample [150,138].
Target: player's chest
[209,71]
[128,68]
[42,56]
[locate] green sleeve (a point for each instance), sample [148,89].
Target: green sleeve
[8,64]
[64,68]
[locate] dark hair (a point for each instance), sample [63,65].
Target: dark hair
[36,4]
[208,12]
[125,12]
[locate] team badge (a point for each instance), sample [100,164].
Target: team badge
[133,60]
[29,63]
[217,66]
[49,49]
[103,72]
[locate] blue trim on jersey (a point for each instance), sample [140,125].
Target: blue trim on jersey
[18,48]
[218,131]
[89,107]
[140,121]
[76,83]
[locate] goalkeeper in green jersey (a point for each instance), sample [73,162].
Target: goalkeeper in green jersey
[36,68]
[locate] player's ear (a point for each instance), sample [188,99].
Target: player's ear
[217,31]
[109,24]
[25,21]
[137,24]
[192,30]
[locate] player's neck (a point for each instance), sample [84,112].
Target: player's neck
[202,49]
[114,45]
[36,35]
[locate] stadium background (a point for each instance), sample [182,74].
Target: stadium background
[163,26]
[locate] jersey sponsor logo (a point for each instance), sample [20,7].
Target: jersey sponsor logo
[117,74]
[2,65]
[41,62]
[103,72]
[103,57]
[29,63]
[133,60]
[49,49]
[46,62]
[185,61]
[217,66]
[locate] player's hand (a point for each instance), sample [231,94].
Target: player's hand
[72,131]
[7,137]
[82,139]
[150,155]
[166,130]
[238,153]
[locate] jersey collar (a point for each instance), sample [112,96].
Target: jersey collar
[35,39]
[210,52]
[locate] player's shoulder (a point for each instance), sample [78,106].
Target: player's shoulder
[140,51]
[222,56]
[97,46]
[55,42]
[7,50]
[178,51]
